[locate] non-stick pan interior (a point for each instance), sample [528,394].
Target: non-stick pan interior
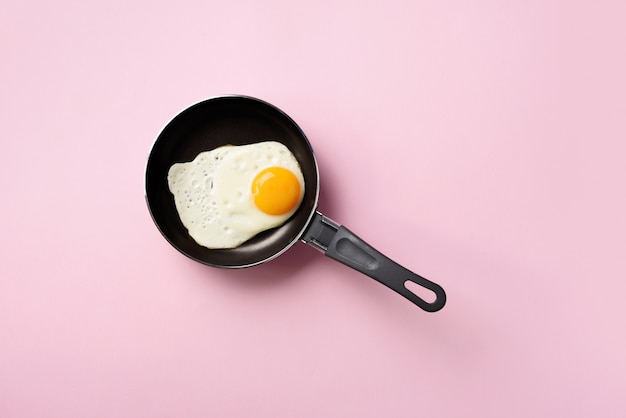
[235,120]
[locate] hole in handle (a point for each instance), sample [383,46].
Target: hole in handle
[423,293]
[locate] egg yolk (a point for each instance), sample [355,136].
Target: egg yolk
[275,190]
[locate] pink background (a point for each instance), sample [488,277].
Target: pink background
[481,144]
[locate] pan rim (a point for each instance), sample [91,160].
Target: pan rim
[315,200]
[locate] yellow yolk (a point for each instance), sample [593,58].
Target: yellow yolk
[275,190]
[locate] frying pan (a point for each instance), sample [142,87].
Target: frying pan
[240,120]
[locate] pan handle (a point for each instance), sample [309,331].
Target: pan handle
[339,243]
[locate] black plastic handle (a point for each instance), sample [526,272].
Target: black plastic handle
[339,243]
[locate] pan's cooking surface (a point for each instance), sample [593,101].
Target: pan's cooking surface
[234,120]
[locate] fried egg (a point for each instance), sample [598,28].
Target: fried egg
[227,195]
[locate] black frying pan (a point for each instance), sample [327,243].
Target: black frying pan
[240,120]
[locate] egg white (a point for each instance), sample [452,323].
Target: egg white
[213,193]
